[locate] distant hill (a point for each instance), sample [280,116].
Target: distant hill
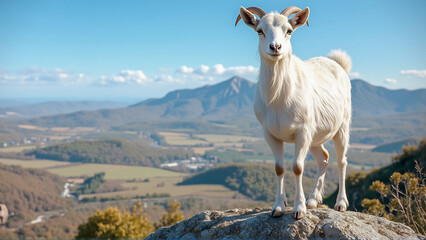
[395,147]
[256,181]
[369,100]
[12,103]
[357,184]
[26,191]
[16,109]
[113,151]
[230,100]
[378,130]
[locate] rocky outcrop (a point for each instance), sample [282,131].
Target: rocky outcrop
[257,224]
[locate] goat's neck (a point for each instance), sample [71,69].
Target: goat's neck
[275,80]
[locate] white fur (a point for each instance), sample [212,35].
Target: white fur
[302,102]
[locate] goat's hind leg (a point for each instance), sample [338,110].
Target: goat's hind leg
[321,156]
[341,143]
[278,151]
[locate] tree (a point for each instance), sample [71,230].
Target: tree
[172,216]
[112,223]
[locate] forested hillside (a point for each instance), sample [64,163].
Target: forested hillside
[113,151]
[26,191]
[357,184]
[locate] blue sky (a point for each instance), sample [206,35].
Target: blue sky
[133,50]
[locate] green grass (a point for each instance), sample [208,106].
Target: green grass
[180,139]
[183,141]
[17,149]
[33,163]
[220,140]
[114,171]
[168,185]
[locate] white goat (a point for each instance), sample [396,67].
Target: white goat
[301,102]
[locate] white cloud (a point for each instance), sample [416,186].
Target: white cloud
[185,70]
[166,79]
[390,80]
[131,76]
[415,73]
[186,75]
[353,75]
[242,70]
[36,75]
[218,72]
[203,69]
[137,77]
[4,78]
[219,69]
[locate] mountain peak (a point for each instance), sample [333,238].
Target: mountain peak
[238,80]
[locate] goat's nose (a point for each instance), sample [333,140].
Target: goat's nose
[275,47]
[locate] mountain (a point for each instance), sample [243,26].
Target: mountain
[231,100]
[16,109]
[369,100]
[225,99]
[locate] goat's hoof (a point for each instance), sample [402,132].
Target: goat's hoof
[277,212]
[341,206]
[312,203]
[298,215]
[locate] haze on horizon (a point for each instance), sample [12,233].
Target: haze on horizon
[134,50]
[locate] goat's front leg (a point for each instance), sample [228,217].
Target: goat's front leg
[303,141]
[278,151]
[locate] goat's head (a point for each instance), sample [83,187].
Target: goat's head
[274,29]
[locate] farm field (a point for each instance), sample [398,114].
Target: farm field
[31,127]
[180,139]
[168,185]
[34,163]
[160,181]
[119,172]
[362,146]
[218,140]
[201,150]
[17,149]
[221,138]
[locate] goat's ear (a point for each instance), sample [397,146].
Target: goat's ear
[300,18]
[248,18]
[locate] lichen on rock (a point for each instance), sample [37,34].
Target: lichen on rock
[257,224]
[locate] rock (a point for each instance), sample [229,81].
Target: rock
[256,223]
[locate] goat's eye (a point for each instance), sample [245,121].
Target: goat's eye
[260,32]
[289,32]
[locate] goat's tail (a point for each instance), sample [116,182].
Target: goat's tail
[342,58]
